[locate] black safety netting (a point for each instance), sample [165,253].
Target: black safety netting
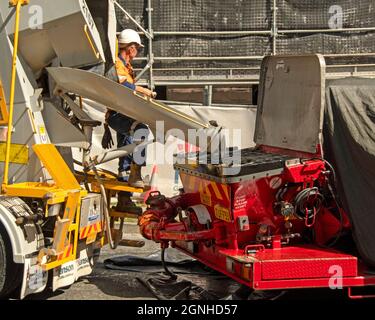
[293,18]
[199,15]
[319,14]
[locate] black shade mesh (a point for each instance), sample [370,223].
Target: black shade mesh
[253,15]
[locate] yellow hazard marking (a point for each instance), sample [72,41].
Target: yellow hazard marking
[216,191]
[225,189]
[206,189]
[91,238]
[42,134]
[206,199]
[222,213]
[191,182]
[200,186]
[19,153]
[203,187]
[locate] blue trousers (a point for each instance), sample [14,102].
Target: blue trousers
[122,125]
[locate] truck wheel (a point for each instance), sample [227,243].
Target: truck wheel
[10,272]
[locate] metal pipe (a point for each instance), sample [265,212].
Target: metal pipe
[203,83]
[105,205]
[211,33]
[339,75]
[250,57]
[198,69]
[208,95]
[202,58]
[12,93]
[350,65]
[148,35]
[258,32]
[274,27]
[116,153]
[140,59]
[336,55]
[113,154]
[142,71]
[150,44]
[327,30]
[87,131]
[255,68]
[217,105]
[210,58]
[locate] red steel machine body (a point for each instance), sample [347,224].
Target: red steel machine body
[273,224]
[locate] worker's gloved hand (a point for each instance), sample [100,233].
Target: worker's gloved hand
[107,141]
[147,92]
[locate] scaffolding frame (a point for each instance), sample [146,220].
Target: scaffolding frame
[235,75]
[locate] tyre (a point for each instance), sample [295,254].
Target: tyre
[10,272]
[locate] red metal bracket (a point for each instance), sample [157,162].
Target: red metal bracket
[254,248]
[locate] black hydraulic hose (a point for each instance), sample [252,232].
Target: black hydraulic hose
[302,198]
[167,271]
[338,204]
[337,200]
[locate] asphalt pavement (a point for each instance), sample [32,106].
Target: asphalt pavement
[108,284]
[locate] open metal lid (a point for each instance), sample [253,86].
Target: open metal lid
[291,102]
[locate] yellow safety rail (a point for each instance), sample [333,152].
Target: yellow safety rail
[4,116]
[14,3]
[17,4]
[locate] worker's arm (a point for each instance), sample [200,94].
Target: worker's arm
[145,91]
[139,89]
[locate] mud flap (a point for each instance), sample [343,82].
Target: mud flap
[70,272]
[34,278]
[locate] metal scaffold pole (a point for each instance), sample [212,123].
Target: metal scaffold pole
[277,28]
[208,95]
[150,44]
[274,27]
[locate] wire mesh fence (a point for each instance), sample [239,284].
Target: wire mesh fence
[252,28]
[320,14]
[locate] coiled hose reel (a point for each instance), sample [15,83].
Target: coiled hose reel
[308,203]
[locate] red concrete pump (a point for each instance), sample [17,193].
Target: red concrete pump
[273,223]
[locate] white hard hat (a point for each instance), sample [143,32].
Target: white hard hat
[129,36]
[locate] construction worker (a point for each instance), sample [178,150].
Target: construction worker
[125,127]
